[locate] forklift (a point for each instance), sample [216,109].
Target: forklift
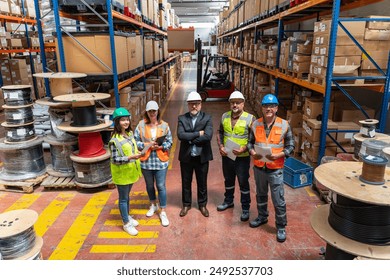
[212,84]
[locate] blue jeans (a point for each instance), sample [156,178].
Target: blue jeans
[159,177]
[124,201]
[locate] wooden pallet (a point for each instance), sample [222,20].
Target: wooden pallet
[300,75]
[54,182]
[26,186]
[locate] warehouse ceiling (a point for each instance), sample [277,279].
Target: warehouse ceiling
[201,11]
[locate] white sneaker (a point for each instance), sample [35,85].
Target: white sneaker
[130,229]
[133,221]
[164,219]
[153,208]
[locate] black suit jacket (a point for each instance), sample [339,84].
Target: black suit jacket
[189,135]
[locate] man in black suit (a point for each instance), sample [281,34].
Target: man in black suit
[194,130]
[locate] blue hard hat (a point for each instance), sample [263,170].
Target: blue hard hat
[269,99]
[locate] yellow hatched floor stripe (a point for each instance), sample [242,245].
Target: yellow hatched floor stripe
[123,249]
[74,238]
[148,222]
[132,211]
[52,212]
[310,191]
[141,193]
[24,202]
[137,201]
[125,235]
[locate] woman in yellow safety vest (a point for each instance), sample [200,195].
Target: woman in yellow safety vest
[125,165]
[154,137]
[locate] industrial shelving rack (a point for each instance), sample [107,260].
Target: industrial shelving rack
[25,21]
[108,20]
[309,10]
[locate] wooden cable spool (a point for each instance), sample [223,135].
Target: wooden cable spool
[17,115]
[368,127]
[60,151]
[373,171]
[17,95]
[84,112]
[22,161]
[18,240]
[359,138]
[343,178]
[92,172]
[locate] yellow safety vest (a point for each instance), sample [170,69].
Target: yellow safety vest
[239,134]
[130,172]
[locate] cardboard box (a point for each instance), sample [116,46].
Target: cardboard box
[355,115]
[294,118]
[181,39]
[321,60]
[377,35]
[382,25]
[313,108]
[80,61]
[301,67]
[311,149]
[354,27]
[322,39]
[340,50]
[312,130]
[346,137]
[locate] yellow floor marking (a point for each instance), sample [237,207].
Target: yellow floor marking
[143,193]
[24,202]
[137,201]
[123,249]
[74,238]
[132,211]
[122,234]
[310,191]
[52,212]
[148,222]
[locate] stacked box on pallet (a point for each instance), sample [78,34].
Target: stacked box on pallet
[241,15]
[376,43]
[157,86]
[301,59]
[271,55]
[148,51]
[77,59]
[311,139]
[347,54]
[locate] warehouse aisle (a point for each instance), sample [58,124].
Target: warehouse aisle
[86,224]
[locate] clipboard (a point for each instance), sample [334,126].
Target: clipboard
[161,139]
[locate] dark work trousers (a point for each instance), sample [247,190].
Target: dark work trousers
[201,171]
[274,180]
[240,169]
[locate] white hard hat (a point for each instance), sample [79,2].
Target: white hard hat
[151,105]
[194,96]
[236,95]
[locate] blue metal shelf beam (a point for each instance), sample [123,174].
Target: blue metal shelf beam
[330,79]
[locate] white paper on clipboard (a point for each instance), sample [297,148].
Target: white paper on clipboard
[146,148]
[263,151]
[229,147]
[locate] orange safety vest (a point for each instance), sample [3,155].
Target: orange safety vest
[275,140]
[145,133]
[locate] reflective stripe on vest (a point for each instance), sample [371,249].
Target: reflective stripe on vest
[146,137]
[239,134]
[275,140]
[130,172]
